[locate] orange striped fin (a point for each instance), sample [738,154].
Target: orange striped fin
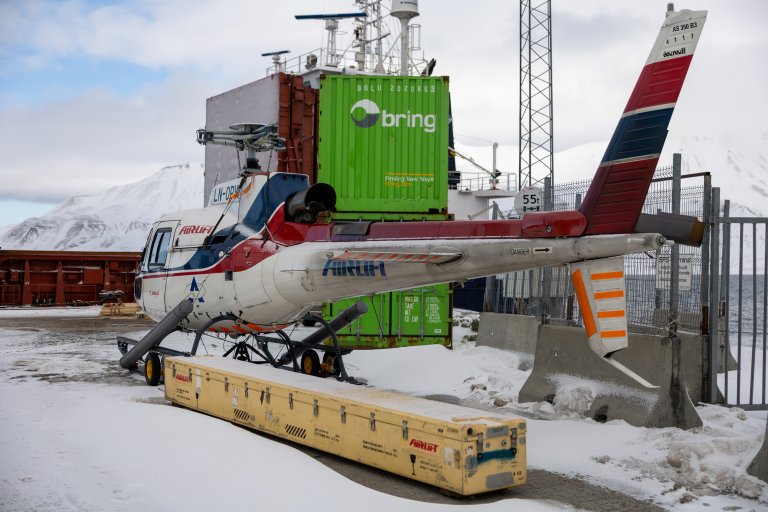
[581,295]
[613,334]
[611,314]
[608,275]
[614,294]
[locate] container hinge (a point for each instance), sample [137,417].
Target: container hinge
[343,414]
[290,400]
[479,446]
[189,375]
[226,384]
[174,370]
[513,441]
[315,408]
[246,390]
[267,395]
[373,422]
[405,429]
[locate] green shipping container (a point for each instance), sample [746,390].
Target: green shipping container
[420,316]
[383,143]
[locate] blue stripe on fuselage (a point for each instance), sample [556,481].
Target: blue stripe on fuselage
[272,194]
[639,135]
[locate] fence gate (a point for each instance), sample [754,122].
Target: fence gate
[737,308]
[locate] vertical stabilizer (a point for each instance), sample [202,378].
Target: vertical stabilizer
[615,197]
[599,287]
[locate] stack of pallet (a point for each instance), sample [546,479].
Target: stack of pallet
[122,309]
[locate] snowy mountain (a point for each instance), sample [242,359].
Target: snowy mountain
[738,164]
[116,220]
[119,219]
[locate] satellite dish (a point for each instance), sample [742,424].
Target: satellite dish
[430,68]
[247,127]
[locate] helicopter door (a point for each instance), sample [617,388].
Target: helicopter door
[155,268]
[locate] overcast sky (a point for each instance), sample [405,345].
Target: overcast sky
[99,93]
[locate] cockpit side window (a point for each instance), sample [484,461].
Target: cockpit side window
[158,252]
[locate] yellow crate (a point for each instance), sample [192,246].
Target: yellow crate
[126,309]
[461,450]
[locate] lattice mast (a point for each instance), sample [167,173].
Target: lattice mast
[536,120]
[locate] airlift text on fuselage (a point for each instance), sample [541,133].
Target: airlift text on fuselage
[354,268]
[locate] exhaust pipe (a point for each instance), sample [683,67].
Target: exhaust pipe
[345,318]
[306,205]
[156,335]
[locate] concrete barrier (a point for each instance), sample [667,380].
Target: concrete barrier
[759,466]
[509,332]
[645,351]
[520,332]
[724,354]
[565,368]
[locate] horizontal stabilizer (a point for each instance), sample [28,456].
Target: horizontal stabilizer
[399,257]
[681,229]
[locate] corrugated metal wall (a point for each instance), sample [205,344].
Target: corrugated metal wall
[64,277]
[383,142]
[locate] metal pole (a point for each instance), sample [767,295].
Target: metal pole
[754,315]
[674,285]
[657,291]
[706,327]
[405,45]
[765,307]
[490,281]
[546,285]
[740,312]
[714,285]
[723,300]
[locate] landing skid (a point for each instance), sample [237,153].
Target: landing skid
[299,356]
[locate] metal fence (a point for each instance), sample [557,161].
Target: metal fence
[547,293]
[718,290]
[738,308]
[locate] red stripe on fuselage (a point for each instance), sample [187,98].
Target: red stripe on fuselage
[659,83]
[246,254]
[254,250]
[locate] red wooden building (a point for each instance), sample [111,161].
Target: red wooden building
[64,277]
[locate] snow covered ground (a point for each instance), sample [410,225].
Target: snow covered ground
[77,433]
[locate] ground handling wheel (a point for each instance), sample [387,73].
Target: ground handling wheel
[152,369]
[310,363]
[331,364]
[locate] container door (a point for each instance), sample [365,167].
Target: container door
[372,330]
[422,315]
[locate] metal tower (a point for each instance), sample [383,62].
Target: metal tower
[536,162]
